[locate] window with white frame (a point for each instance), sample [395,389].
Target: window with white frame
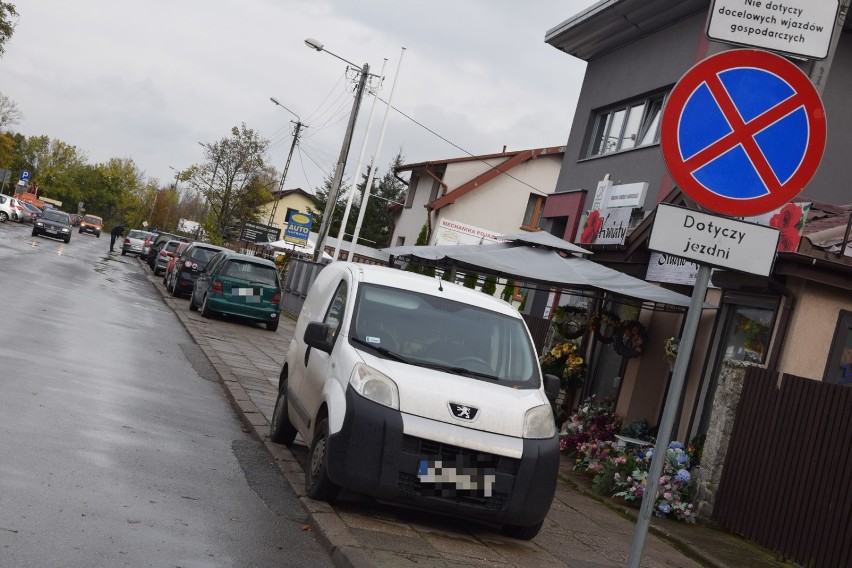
[632,124]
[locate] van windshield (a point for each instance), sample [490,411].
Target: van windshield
[436,332]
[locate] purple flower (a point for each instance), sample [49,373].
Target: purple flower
[676,445]
[683,476]
[665,508]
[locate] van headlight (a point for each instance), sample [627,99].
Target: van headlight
[539,423]
[376,386]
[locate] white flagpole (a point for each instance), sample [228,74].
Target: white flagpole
[373,166]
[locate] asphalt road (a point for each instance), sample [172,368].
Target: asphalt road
[118,446]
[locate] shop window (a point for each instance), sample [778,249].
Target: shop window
[629,125]
[606,369]
[838,369]
[746,331]
[532,215]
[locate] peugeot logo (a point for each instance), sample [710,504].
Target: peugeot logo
[463,411]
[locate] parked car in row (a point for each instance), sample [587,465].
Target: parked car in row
[55,224]
[181,278]
[10,208]
[134,241]
[157,243]
[173,260]
[239,285]
[35,212]
[164,254]
[91,224]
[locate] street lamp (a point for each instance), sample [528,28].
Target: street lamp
[344,150]
[177,176]
[299,126]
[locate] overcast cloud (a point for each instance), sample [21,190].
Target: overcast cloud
[150,80]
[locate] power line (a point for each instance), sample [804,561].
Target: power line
[423,126]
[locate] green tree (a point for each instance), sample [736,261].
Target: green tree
[9,113]
[229,179]
[378,222]
[8,15]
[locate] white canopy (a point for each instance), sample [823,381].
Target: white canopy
[543,265]
[308,249]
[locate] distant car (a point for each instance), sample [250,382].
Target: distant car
[173,260]
[75,219]
[91,224]
[134,241]
[192,260]
[239,285]
[35,212]
[55,224]
[163,256]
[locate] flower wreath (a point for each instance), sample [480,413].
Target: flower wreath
[671,346]
[631,339]
[605,324]
[571,321]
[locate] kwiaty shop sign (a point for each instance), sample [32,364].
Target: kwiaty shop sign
[796,27]
[714,240]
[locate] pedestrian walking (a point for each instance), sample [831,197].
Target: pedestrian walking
[117,231]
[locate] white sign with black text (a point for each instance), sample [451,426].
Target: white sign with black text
[797,27]
[714,240]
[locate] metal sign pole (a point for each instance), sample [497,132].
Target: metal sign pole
[690,328]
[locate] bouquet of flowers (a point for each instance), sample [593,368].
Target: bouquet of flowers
[564,361]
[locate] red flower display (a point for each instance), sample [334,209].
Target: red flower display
[789,221]
[593,225]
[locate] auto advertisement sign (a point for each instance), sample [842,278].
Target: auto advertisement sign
[298,228]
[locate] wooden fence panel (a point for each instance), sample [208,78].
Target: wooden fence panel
[785,483]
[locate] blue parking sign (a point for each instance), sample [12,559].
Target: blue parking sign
[25,175]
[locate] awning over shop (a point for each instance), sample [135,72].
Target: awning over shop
[547,264]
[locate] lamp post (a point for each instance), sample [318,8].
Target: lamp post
[177,176]
[344,150]
[299,126]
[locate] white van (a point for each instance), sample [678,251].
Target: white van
[420,392]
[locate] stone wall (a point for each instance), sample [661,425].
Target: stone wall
[724,411]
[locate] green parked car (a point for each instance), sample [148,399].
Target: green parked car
[239,285]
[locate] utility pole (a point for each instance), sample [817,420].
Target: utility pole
[277,196]
[341,164]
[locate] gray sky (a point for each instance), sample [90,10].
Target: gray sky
[150,80]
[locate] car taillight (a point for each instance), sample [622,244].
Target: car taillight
[187,263]
[126,241]
[276,299]
[217,287]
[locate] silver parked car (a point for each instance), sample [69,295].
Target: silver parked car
[10,208]
[163,256]
[134,241]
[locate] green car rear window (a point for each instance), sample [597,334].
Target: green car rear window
[250,272]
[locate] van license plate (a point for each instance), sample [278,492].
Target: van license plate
[450,477]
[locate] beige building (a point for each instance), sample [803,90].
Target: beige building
[278,211]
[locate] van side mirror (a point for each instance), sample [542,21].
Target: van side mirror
[317,336]
[551,387]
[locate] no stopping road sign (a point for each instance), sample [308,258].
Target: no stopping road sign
[743,132]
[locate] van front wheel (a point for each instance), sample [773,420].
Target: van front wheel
[522,532]
[317,484]
[281,431]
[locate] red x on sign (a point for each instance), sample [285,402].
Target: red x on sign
[743,132]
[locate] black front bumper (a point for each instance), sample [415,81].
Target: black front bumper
[372,455]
